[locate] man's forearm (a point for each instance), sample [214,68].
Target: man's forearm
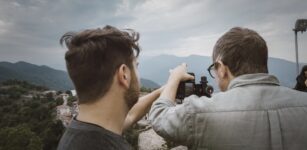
[170,89]
[167,118]
[141,108]
[177,74]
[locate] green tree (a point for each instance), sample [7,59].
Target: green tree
[144,89]
[23,84]
[59,101]
[132,135]
[69,92]
[59,92]
[70,100]
[52,135]
[27,124]
[49,96]
[19,138]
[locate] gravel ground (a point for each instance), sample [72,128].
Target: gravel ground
[149,140]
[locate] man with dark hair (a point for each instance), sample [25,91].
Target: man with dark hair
[252,112]
[301,84]
[102,63]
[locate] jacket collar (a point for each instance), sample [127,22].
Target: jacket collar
[250,79]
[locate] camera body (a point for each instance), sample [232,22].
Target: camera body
[189,87]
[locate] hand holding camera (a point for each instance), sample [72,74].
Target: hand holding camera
[180,73]
[189,87]
[186,83]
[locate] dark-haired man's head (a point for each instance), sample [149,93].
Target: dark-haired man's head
[96,58]
[304,71]
[239,51]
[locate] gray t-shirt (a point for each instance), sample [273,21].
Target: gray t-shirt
[86,136]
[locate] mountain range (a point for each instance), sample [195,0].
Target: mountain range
[45,76]
[39,75]
[154,71]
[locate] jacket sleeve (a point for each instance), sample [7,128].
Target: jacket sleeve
[171,121]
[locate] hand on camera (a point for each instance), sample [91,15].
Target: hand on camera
[180,73]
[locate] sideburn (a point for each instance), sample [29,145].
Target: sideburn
[132,94]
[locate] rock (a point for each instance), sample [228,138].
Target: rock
[150,140]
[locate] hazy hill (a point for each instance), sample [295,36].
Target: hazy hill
[149,84]
[44,75]
[157,68]
[39,75]
[154,71]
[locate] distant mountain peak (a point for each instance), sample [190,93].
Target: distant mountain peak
[16,63]
[166,55]
[195,55]
[24,63]
[198,56]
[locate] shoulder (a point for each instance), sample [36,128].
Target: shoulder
[74,139]
[195,104]
[80,140]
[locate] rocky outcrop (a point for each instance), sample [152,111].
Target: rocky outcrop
[150,140]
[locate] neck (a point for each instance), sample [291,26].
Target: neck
[108,112]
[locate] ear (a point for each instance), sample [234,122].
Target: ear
[124,75]
[222,70]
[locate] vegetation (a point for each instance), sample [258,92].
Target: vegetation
[147,90]
[27,123]
[23,84]
[132,136]
[19,137]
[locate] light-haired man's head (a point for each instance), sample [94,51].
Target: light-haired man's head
[239,51]
[94,56]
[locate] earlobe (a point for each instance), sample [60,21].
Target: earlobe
[223,70]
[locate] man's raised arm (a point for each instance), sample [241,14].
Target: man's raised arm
[141,108]
[167,119]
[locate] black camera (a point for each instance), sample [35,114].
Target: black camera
[189,87]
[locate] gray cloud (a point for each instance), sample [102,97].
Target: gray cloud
[30,29]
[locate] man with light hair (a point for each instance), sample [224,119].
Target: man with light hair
[252,112]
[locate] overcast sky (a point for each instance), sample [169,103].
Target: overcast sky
[30,29]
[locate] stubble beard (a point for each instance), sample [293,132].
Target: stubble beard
[132,94]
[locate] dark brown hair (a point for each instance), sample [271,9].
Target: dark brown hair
[243,50]
[93,57]
[303,70]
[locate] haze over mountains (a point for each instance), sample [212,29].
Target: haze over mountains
[154,71]
[157,68]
